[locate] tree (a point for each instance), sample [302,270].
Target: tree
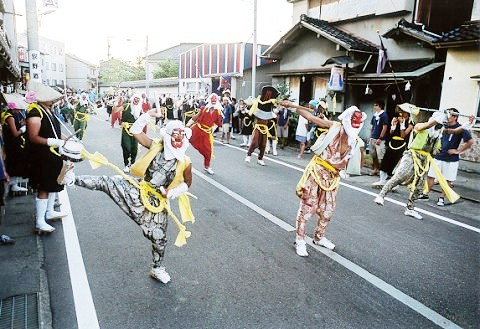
[115,70]
[166,69]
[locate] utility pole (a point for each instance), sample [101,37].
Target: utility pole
[254,65]
[33,43]
[147,76]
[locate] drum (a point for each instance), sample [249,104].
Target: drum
[71,150]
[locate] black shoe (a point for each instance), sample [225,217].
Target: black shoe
[422,196]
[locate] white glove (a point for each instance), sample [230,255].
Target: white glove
[190,123]
[23,129]
[69,178]
[140,123]
[176,191]
[393,127]
[402,126]
[55,142]
[467,125]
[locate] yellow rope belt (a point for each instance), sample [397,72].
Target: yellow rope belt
[310,170]
[146,191]
[81,116]
[397,138]
[273,126]
[245,123]
[126,126]
[420,171]
[263,129]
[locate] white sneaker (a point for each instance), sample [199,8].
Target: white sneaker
[52,215]
[301,247]
[441,202]
[247,159]
[379,183]
[159,274]
[324,242]
[394,189]
[275,152]
[243,144]
[379,200]
[261,162]
[16,188]
[126,169]
[209,170]
[412,213]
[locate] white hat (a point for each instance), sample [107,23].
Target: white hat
[323,104]
[43,93]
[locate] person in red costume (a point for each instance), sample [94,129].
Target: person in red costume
[202,125]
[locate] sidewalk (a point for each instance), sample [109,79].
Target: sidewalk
[24,297]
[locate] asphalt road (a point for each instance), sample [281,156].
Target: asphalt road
[239,268]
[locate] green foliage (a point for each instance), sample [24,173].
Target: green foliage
[115,70]
[166,69]
[284,90]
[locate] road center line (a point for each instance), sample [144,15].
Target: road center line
[361,272]
[82,296]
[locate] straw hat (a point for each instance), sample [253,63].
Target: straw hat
[42,92]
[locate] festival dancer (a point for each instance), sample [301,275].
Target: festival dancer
[262,109]
[202,125]
[130,113]
[167,174]
[81,116]
[416,162]
[318,186]
[117,109]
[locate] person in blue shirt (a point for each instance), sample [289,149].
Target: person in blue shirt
[447,159]
[378,135]
[227,120]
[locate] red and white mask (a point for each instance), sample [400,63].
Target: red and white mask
[352,121]
[175,137]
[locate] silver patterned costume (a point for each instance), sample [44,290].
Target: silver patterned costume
[154,225]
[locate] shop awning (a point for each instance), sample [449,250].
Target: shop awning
[398,76]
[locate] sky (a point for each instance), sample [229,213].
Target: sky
[87,26]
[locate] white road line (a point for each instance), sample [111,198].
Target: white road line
[247,203]
[423,211]
[361,272]
[82,296]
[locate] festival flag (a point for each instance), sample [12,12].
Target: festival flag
[382,57]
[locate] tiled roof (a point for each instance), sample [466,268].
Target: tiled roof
[411,29]
[464,35]
[346,39]
[468,32]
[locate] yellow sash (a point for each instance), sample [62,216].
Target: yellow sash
[420,171]
[140,166]
[146,190]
